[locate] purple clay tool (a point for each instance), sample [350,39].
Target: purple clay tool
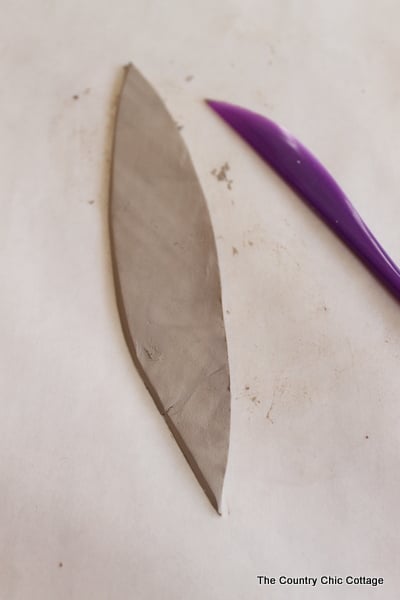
[305,174]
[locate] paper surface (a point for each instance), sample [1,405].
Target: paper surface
[95,499]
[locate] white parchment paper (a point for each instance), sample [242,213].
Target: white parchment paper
[96,500]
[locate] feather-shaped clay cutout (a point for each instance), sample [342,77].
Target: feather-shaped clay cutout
[167,280]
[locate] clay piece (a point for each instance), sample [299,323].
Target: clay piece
[167,280]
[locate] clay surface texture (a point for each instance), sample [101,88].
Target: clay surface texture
[167,280]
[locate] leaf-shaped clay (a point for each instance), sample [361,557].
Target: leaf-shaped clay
[167,280]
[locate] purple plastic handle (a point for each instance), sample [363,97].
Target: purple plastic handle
[305,174]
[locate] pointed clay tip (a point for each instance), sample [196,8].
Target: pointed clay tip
[218,501]
[215,502]
[222,508]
